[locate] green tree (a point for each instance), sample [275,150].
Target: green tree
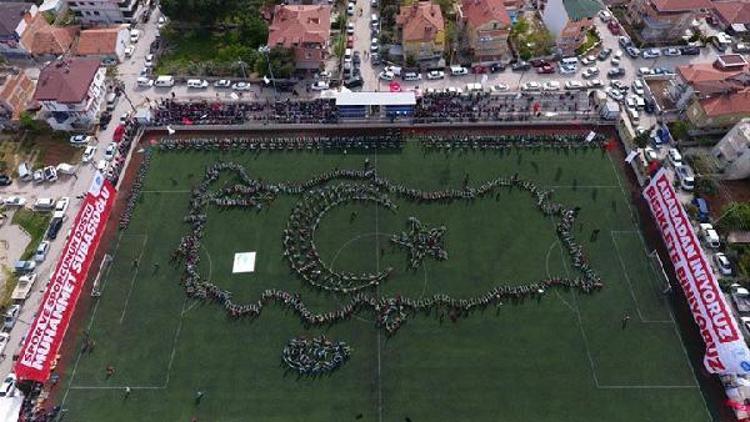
[28,122]
[282,63]
[206,12]
[736,216]
[641,140]
[410,60]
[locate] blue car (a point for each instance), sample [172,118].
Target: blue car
[703,211]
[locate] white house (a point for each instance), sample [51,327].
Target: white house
[71,92]
[106,12]
[733,152]
[568,21]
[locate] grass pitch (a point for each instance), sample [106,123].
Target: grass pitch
[563,358]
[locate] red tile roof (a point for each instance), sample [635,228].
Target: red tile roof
[299,24]
[680,5]
[41,38]
[733,12]
[66,81]
[481,12]
[705,72]
[420,21]
[98,41]
[728,104]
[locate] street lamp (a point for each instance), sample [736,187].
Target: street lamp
[266,50]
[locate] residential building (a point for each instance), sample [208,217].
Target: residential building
[733,12]
[14,19]
[664,21]
[422,31]
[733,152]
[306,29]
[104,42]
[16,91]
[719,112]
[71,92]
[569,21]
[486,26]
[106,12]
[705,80]
[42,39]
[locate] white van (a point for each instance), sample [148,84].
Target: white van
[144,81]
[374,20]
[474,87]
[197,83]
[164,81]
[569,60]
[348,55]
[24,172]
[709,235]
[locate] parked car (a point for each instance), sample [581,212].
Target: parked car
[350,28]
[674,156]
[54,228]
[638,87]
[685,177]
[615,94]
[5,180]
[590,72]
[44,204]
[4,338]
[38,176]
[690,51]
[594,83]
[704,214]
[81,139]
[604,54]
[567,69]
[50,174]
[520,66]
[614,28]
[350,8]
[386,75]
[41,251]
[616,72]
[354,82]
[531,86]
[633,52]
[135,35]
[24,267]
[574,85]
[651,53]
[709,235]
[497,67]
[672,51]
[499,88]
[551,86]
[538,62]
[435,74]
[241,86]
[546,69]
[129,50]
[149,61]
[14,201]
[8,388]
[459,71]
[62,204]
[89,153]
[411,76]
[723,264]
[319,86]
[223,84]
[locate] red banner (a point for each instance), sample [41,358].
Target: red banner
[726,351]
[46,333]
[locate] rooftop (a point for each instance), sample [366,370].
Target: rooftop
[421,21]
[11,13]
[731,60]
[66,81]
[16,92]
[705,72]
[300,24]
[733,12]
[680,5]
[98,41]
[727,104]
[581,9]
[41,38]
[482,12]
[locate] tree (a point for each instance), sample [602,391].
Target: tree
[28,122]
[282,63]
[410,60]
[641,140]
[736,217]
[206,12]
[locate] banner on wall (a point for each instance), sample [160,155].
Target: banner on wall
[45,336]
[726,351]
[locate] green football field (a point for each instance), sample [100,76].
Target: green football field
[564,357]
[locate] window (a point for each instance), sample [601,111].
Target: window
[96,12]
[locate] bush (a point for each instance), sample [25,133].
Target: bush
[704,186]
[736,216]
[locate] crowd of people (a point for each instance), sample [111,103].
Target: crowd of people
[136,189]
[449,107]
[421,242]
[319,196]
[450,142]
[314,356]
[390,140]
[129,133]
[171,112]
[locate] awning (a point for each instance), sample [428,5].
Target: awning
[726,351]
[48,329]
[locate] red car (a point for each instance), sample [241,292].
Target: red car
[479,69]
[614,27]
[350,41]
[547,68]
[538,62]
